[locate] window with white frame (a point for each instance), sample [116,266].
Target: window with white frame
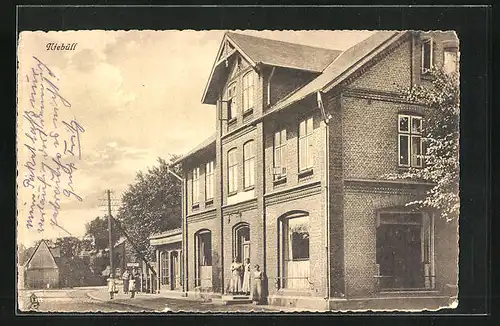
[232,107]
[450,60]
[410,140]
[196,186]
[232,171]
[249,163]
[427,60]
[248,91]
[305,144]
[279,154]
[209,180]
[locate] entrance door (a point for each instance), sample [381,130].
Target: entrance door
[400,256]
[242,242]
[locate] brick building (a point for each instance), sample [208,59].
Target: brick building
[293,177]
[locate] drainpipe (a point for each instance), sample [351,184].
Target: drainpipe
[327,202]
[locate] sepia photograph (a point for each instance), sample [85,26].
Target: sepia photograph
[265,171]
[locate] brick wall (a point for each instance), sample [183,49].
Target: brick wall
[390,73]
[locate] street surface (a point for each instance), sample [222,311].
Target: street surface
[70,300]
[96,300]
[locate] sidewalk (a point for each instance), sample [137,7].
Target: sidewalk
[172,301]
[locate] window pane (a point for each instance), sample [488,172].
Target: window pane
[416,151]
[298,231]
[309,126]
[416,125]
[404,123]
[302,128]
[403,150]
[427,52]
[450,61]
[302,153]
[277,157]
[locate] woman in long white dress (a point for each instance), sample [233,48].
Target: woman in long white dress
[257,285]
[247,276]
[235,285]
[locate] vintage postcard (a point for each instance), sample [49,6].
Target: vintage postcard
[237,171]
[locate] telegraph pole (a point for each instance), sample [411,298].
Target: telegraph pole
[112,272]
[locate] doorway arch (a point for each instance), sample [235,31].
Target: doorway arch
[241,241]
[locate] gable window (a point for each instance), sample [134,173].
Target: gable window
[248,84]
[427,61]
[450,60]
[410,140]
[209,180]
[196,186]
[249,163]
[305,144]
[232,106]
[279,154]
[232,171]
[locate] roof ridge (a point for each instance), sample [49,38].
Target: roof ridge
[285,42]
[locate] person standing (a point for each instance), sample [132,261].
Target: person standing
[247,276]
[137,277]
[111,287]
[125,278]
[257,285]
[131,286]
[235,284]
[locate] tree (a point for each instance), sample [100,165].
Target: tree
[441,100]
[98,230]
[152,204]
[71,246]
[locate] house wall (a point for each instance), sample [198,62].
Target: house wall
[39,278]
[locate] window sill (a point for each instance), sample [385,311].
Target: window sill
[231,121]
[209,202]
[279,180]
[425,75]
[232,193]
[249,188]
[247,113]
[195,206]
[306,173]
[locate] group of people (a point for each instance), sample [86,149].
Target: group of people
[131,283]
[245,281]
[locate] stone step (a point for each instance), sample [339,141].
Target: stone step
[230,299]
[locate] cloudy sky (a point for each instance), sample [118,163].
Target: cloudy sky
[138,95]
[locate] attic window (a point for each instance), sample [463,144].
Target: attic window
[426,55]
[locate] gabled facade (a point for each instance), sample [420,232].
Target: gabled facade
[294,180]
[41,269]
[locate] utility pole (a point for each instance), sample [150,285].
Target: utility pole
[112,272]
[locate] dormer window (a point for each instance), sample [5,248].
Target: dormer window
[427,60]
[248,84]
[232,107]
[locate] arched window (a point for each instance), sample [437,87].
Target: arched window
[294,250]
[203,258]
[249,163]
[232,171]
[248,83]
